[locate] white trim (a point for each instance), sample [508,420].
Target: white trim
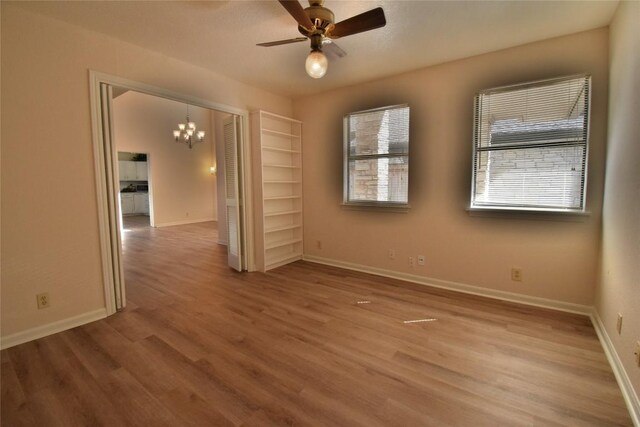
[183,222]
[629,394]
[52,328]
[458,287]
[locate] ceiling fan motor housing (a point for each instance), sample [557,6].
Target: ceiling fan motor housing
[322,18]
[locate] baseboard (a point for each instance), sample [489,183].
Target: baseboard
[51,328]
[459,287]
[183,222]
[629,394]
[222,242]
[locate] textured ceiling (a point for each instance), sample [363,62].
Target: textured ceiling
[222,36]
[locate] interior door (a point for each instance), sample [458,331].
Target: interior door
[232,190]
[113,189]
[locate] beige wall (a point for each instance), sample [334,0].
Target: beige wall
[183,189]
[558,257]
[50,239]
[619,287]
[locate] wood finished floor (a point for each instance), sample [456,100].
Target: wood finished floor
[201,345]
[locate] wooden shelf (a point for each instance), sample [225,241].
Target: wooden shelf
[283,213]
[279,117]
[281,150]
[274,262]
[282,197]
[268,165]
[282,243]
[283,228]
[282,182]
[278,161]
[278,133]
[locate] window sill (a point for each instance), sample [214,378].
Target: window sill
[527,213]
[377,207]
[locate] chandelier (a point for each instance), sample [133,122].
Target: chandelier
[187,132]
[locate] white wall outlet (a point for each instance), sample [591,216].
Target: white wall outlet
[43,300]
[516,274]
[412,261]
[619,324]
[421,259]
[392,254]
[319,244]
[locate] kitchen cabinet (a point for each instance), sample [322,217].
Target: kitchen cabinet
[134,203]
[132,171]
[126,204]
[141,203]
[141,171]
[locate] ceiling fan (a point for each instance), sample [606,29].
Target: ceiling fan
[316,23]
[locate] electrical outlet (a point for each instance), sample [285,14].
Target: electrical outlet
[186,214]
[319,244]
[637,353]
[420,259]
[43,300]
[619,324]
[412,261]
[516,274]
[392,254]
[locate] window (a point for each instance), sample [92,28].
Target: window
[530,146]
[376,164]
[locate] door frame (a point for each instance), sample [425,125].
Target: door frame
[105,204]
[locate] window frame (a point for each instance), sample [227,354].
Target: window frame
[368,204]
[529,209]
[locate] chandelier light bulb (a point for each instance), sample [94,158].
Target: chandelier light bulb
[191,125]
[176,134]
[190,132]
[316,64]
[200,134]
[181,126]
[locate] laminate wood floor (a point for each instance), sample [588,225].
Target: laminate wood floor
[305,344]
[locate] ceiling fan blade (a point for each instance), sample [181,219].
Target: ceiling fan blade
[357,24]
[296,10]
[279,42]
[332,50]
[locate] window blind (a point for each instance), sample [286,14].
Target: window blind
[377,156]
[530,145]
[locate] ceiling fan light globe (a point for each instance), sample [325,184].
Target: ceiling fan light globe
[316,64]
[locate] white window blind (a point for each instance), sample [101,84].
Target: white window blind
[530,146]
[377,156]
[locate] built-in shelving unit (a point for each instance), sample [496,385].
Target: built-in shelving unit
[277,160]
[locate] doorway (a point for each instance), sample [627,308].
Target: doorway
[236,196]
[135,190]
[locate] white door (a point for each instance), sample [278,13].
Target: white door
[234,229]
[113,187]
